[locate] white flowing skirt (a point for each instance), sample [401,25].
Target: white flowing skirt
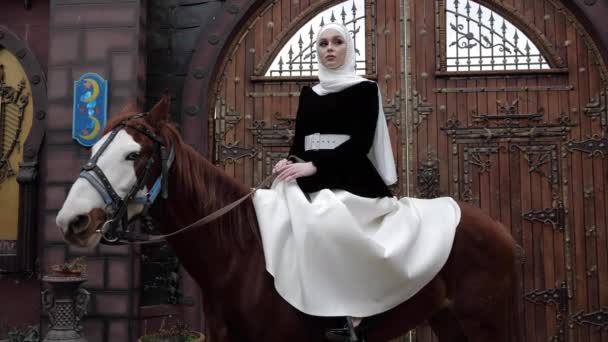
[338,254]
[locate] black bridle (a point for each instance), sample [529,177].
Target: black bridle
[116,228]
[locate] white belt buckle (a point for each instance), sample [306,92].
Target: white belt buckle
[315,143]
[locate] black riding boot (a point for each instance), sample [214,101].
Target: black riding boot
[347,334]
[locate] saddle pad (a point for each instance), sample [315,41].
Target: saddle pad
[337,254]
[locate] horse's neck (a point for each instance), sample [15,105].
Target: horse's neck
[216,254]
[226,259]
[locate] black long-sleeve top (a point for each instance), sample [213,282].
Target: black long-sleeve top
[352,111]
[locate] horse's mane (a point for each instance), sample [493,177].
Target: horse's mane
[203,185]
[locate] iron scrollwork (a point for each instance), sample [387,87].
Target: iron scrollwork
[278,135]
[598,319]
[507,119]
[477,159]
[392,110]
[475,156]
[598,108]
[508,116]
[556,217]
[487,42]
[271,159]
[228,119]
[595,147]
[557,296]
[537,156]
[525,133]
[231,152]
[503,89]
[428,178]
[422,109]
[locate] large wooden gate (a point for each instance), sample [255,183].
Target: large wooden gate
[526,144]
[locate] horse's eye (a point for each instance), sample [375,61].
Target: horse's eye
[132,156]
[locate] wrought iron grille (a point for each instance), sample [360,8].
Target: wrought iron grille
[298,57]
[479,39]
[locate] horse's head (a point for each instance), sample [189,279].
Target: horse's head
[127,170]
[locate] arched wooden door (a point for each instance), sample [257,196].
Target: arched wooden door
[498,103]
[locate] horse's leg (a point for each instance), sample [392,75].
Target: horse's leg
[446,327]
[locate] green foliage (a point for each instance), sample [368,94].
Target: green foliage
[23,334]
[180,332]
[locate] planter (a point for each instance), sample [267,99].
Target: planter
[66,304]
[150,338]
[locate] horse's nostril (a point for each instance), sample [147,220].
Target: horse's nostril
[80,223]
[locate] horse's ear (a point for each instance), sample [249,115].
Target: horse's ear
[129,107]
[160,112]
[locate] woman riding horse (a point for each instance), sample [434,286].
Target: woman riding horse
[333,243]
[378,251]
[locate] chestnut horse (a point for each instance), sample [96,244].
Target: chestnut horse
[469,300]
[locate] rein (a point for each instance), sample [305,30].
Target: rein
[214,215]
[203,221]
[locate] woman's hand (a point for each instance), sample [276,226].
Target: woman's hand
[293,171]
[280,165]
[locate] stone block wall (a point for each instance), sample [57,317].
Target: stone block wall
[105,37]
[173,29]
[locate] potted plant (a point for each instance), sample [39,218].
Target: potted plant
[179,332]
[74,268]
[65,301]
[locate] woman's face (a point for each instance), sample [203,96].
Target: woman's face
[332,49]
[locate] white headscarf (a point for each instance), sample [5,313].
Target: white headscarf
[335,80]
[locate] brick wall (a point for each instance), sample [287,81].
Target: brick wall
[30,25]
[104,37]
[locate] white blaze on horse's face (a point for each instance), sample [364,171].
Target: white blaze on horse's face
[83,211]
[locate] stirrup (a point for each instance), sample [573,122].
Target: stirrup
[346,334]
